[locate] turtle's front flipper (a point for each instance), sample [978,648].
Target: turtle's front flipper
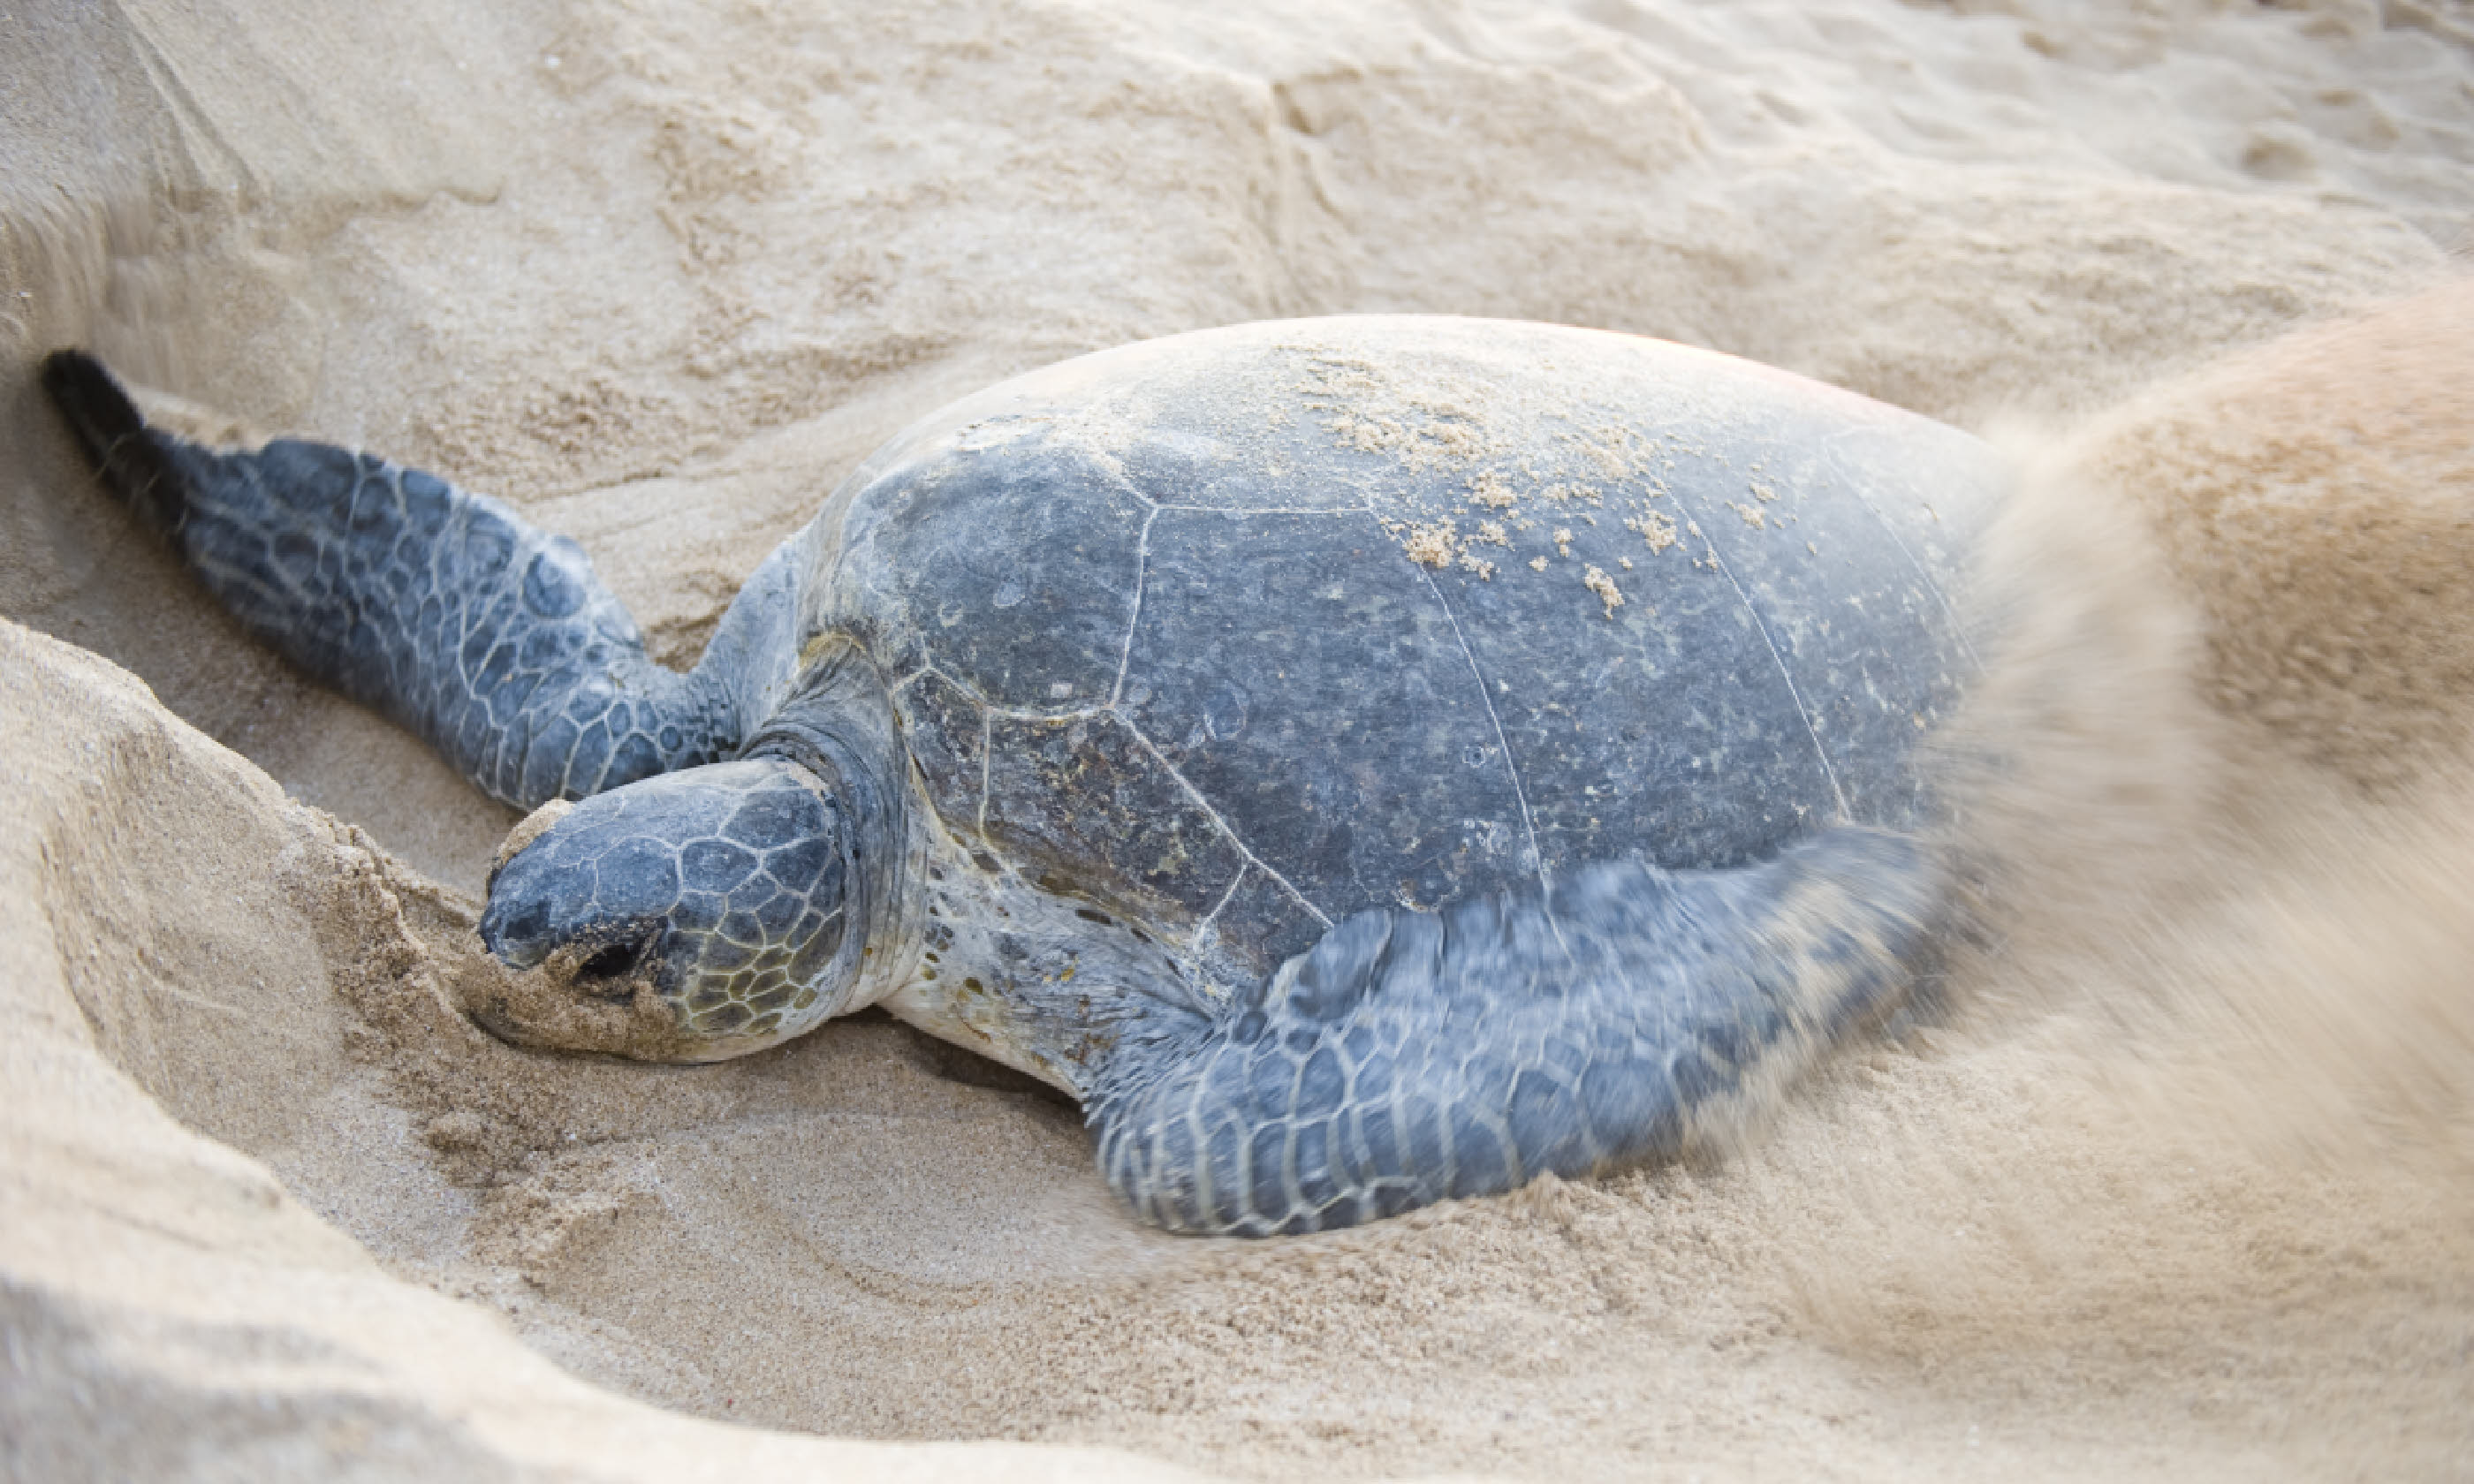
[491,639]
[1413,1056]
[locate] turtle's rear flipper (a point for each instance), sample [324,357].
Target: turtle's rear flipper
[1415,1057]
[491,639]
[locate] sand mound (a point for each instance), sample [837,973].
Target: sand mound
[2174,1178]
[187,955]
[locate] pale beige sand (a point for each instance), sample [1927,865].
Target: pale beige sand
[2182,1183]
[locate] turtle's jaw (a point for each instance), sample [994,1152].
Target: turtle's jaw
[609,996]
[688,918]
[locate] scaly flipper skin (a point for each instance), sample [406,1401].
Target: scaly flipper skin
[1414,1057]
[491,640]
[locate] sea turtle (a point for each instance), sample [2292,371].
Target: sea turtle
[1365,761]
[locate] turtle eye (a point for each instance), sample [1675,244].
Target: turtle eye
[609,973]
[610,963]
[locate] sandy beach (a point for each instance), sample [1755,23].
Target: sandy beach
[2173,1178]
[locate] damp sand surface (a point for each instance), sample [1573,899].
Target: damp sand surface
[2174,1174]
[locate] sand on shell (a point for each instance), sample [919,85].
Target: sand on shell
[2177,1180]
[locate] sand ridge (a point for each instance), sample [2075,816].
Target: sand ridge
[2172,1177]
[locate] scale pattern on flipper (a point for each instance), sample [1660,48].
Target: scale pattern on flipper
[1415,1057]
[493,640]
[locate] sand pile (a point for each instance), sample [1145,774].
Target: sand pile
[2176,1179]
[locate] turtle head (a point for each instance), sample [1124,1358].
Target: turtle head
[690,917]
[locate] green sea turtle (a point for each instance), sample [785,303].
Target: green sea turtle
[1365,761]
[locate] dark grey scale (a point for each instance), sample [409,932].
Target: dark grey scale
[1858,625]
[1305,678]
[1090,810]
[1932,534]
[1110,723]
[1262,922]
[1675,686]
[1009,567]
[1762,684]
[944,726]
[1240,471]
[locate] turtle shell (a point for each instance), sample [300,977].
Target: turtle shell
[1239,632]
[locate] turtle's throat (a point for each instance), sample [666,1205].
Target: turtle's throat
[837,724]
